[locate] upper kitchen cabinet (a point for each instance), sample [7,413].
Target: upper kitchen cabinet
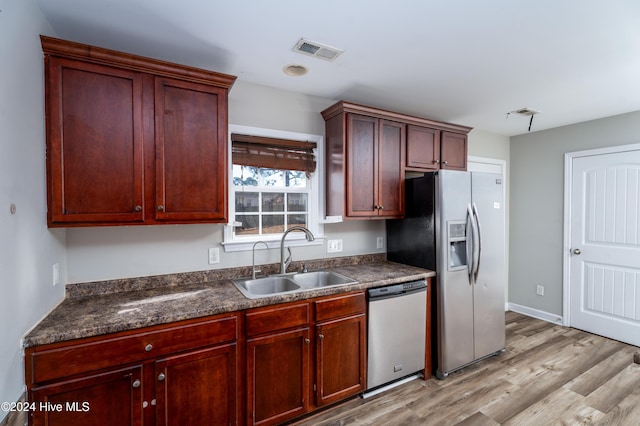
[423,148]
[369,149]
[430,149]
[365,159]
[133,140]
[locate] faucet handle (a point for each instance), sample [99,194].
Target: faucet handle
[304,268]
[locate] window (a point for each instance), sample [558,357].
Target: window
[268,201]
[270,192]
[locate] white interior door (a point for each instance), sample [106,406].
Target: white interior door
[604,243]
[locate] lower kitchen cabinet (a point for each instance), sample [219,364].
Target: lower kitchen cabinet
[278,359]
[340,347]
[176,374]
[340,362]
[278,376]
[197,387]
[108,398]
[282,375]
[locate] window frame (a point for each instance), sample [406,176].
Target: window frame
[315,193]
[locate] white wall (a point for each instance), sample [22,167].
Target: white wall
[537,179]
[28,249]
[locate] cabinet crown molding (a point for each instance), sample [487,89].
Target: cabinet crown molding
[98,55]
[350,107]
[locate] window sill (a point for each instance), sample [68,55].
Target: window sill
[291,241]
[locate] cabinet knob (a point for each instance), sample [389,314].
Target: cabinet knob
[153,401]
[445,162]
[148,348]
[321,336]
[435,161]
[145,404]
[307,341]
[381,207]
[161,377]
[160,208]
[138,208]
[136,383]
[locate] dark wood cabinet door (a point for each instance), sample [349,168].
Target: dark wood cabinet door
[453,151]
[423,148]
[191,151]
[390,199]
[94,143]
[340,359]
[113,398]
[278,377]
[362,165]
[197,387]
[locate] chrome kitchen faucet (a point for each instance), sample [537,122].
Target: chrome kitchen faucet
[284,264]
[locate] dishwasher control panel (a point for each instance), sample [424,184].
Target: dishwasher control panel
[397,289]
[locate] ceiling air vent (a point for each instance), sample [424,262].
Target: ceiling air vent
[525,111]
[318,50]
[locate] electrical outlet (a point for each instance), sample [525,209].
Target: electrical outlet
[380,242]
[540,290]
[334,246]
[56,274]
[214,255]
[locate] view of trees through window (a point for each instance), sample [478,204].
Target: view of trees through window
[268,201]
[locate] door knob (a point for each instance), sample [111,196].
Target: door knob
[576,251]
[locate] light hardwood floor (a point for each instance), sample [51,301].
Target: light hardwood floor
[548,375]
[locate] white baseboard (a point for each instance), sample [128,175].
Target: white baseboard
[535,313]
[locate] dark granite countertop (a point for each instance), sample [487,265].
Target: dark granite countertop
[86,313]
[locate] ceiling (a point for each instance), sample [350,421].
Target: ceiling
[463,61]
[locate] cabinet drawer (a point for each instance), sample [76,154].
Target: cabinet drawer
[340,306]
[94,354]
[277,318]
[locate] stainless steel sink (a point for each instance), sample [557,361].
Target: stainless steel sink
[291,283]
[317,279]
[267,286]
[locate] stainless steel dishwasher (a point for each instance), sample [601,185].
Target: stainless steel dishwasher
[397,331]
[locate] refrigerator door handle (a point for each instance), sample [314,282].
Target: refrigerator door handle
[479,243]
[471,236]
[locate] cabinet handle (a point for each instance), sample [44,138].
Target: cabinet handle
[138,208]
[307,341]
[161,377]
[148,348]
[160,208]
[136,383]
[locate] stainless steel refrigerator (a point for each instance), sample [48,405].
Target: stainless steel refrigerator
[455,224]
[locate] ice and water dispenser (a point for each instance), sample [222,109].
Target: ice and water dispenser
[457,243]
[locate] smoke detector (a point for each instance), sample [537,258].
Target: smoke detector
[321,51]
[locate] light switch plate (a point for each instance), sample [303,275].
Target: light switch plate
[380,242]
